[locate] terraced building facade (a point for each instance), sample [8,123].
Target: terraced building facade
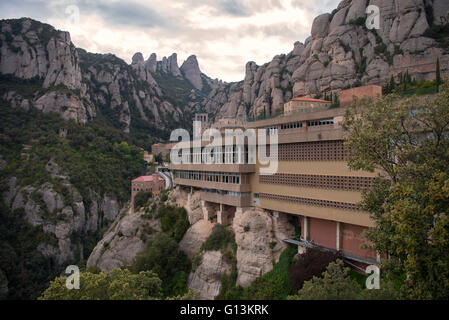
[312,183]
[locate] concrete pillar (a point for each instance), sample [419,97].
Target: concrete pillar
[221,219]
[306,228]
[205,210]
[337,244]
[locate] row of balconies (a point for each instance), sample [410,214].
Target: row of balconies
[213,185]
[236,201]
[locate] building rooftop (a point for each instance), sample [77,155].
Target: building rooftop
[146,179]
[310,100]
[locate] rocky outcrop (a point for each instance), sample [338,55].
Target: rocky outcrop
[192,72]
[340,53]
[78,85]
[440,11]
[64,217]
[190,201]
[195,236]
[37,52]
[69,106]
[206,278]
[123,241]
[169,65]
[259,242]
[30,49]
[151,63]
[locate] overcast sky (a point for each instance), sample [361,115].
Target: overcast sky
[223,34]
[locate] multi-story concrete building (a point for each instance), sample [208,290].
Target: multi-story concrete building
[313,182]
[301,104]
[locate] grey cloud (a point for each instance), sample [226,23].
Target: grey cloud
[233,7]
[316,6]
[126,14]
[36,9]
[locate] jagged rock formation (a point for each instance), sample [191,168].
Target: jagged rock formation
[195,236]
[32,50]
[43,206]
[123,241]
[78,85]
[258,235]
[206,278]
[190,201]
[169,65]
[340,53]
[255,256]
[192,72]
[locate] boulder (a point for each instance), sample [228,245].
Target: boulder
[254,230]
[195,236]
[320,26]
[206,278]
[440,11]
[122,242]
[192,72]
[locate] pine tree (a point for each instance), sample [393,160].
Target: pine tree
[392,84]
[438,74]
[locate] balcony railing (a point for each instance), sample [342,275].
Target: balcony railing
[236,201]
[213,185]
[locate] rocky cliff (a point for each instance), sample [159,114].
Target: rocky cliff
[143,98]
[62,215]
[341,53]
[123,241]
[151,97]
[258,238]
[34,51]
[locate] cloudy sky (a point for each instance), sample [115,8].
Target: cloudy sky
[223,34]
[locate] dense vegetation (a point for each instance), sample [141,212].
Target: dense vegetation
[274,285]
[336,284]
[141,198]
[408,140]
[313,262]
[218,239]
[174,221]
[119,284]
[25,268]
[406,86]
[88,156]
[162,254]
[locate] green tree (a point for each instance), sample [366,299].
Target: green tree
[407,140]
[163,256]
[141,198]
[174,220]
[118,284]
[438,73]
[335,284]
[218,239]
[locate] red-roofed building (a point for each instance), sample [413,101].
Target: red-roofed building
[299,104]
[154,184]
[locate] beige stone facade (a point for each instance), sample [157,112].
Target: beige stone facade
[371,91]
[312,181]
